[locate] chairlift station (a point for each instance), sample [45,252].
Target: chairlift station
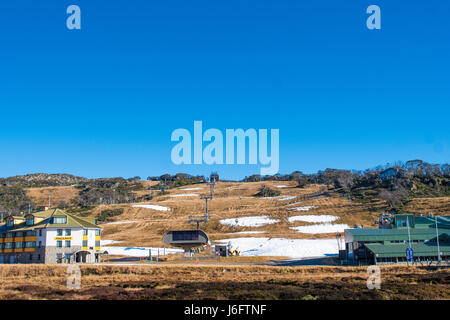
[191,239]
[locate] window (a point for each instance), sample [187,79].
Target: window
[97,243]
[40,244]
[67,232]
[39,257]
[59,244]
[9,245]
[67,243]
[185,235]
[85,232]
[97,232]
[31,257]
[10,223]
[84,243]
[59,232]
[60,220]
[40,232]
[19,234]
[9,235]
[20,245]
[67,257]
[59,258]
[30,221]
[30,233]
[30,244]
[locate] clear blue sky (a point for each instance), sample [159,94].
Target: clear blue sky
[103,101]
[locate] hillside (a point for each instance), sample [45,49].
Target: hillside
[42,179]
[145,226]
[293,215]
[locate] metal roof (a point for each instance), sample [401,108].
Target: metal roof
[393,234]
[399,250]
[72,222]
[423,228]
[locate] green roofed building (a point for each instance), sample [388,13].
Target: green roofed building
[427,236]
[50,236]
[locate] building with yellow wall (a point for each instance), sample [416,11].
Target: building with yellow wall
[51,236]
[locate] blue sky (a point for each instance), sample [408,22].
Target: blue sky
[103,101]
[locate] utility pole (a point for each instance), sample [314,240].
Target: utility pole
[409,239]
[409,234]
[437,239]
[49,199]
[211,186]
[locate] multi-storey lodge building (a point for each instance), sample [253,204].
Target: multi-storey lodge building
[51,236]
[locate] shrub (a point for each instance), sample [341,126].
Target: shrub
[106,215]
[265,191]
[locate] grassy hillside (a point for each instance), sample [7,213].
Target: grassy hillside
[234,200]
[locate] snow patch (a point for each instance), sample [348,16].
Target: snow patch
[312,218]
[321,228]
[255,221]
[271,197]
[139,251]
[305,208]
[247,232]
[120,222]
[287,198]
[106,242]
[281,247]
[190,189]
[152,206]
[281,186]
[184,195]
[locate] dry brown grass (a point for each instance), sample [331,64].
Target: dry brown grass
[57,194]
[437,206]
[220,282]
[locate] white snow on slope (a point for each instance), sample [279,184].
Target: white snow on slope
[139,251]
[293,248]
[190,189]
[255,221]
[312,218]
[281,186]
[287,198]
[152,206]
[246,232]
[121,222]
[321,228]
[305,208]
[106,242]
[184,195]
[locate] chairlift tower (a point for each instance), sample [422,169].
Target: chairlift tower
[205,218]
